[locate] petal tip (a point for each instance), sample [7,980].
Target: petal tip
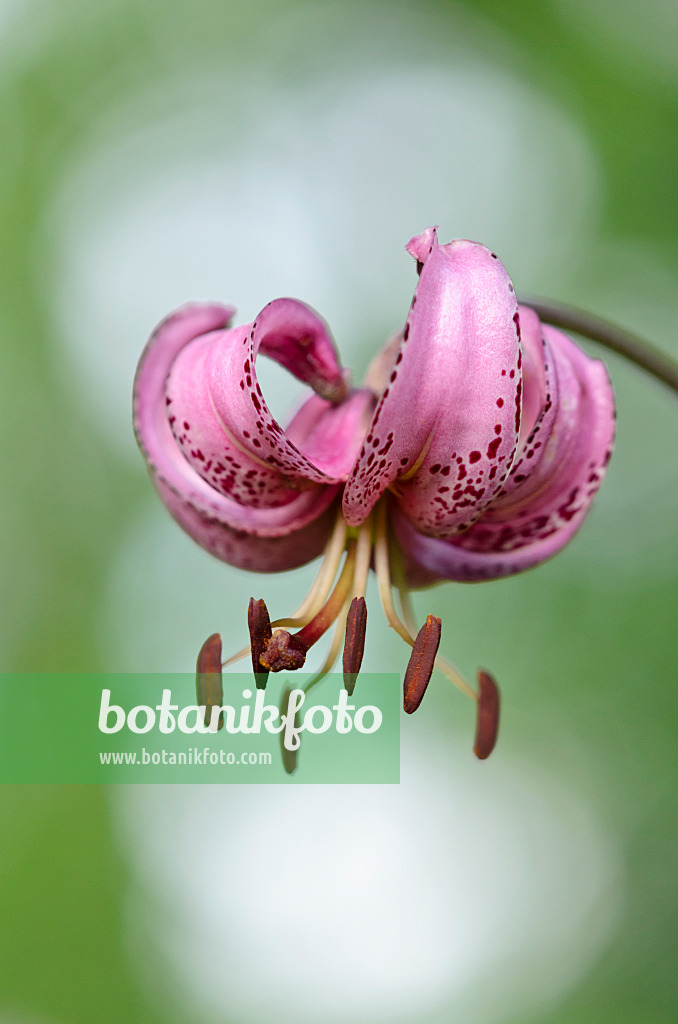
[421,246]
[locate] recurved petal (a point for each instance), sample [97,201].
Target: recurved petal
[544,375]
[247,548]
[445,430]
[205,512]
[429,560]
[295,336]
[224,428]
[331,435]
[214,452]
[151,425]
[535,373]
[547,503]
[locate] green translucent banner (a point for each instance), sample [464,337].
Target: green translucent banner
[147,728]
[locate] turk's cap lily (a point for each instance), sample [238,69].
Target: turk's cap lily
[472,452]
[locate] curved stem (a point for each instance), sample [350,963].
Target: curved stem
[615,338]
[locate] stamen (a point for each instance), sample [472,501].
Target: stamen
[354,645]
[259,625]
[208,681]
[288,651]
[320,587]
[322,584]
[406,606]
[363,558]
[332,651]
[383,572]
[238,656]
[421,663]
[395,558]
[487,723]
[381,566]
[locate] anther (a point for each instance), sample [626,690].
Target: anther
[259,625]
[354,644]
[421,662]
[208,679]
[487,723]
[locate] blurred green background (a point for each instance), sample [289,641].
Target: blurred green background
[158,151]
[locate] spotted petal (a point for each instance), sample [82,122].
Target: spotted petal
[219,416]
[555,476]
[445,431]
[256,497]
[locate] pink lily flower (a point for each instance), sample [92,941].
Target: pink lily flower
[472,452]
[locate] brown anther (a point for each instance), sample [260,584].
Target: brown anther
[421,662]
[259,625]
[208,679]
[289,757]
[487,722]
[354,644]
[284,652]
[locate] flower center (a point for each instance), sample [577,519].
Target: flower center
[274,648]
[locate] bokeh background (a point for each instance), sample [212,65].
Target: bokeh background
[155,151]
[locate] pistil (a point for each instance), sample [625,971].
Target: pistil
[320,588]
[288,650]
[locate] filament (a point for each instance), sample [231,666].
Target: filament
[381,561]
[381,565]
[323,619]
[363,557]
[320,587]
[332,651]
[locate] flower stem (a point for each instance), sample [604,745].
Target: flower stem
[610,336]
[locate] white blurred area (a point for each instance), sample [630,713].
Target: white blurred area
[470,892]
[9,9]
